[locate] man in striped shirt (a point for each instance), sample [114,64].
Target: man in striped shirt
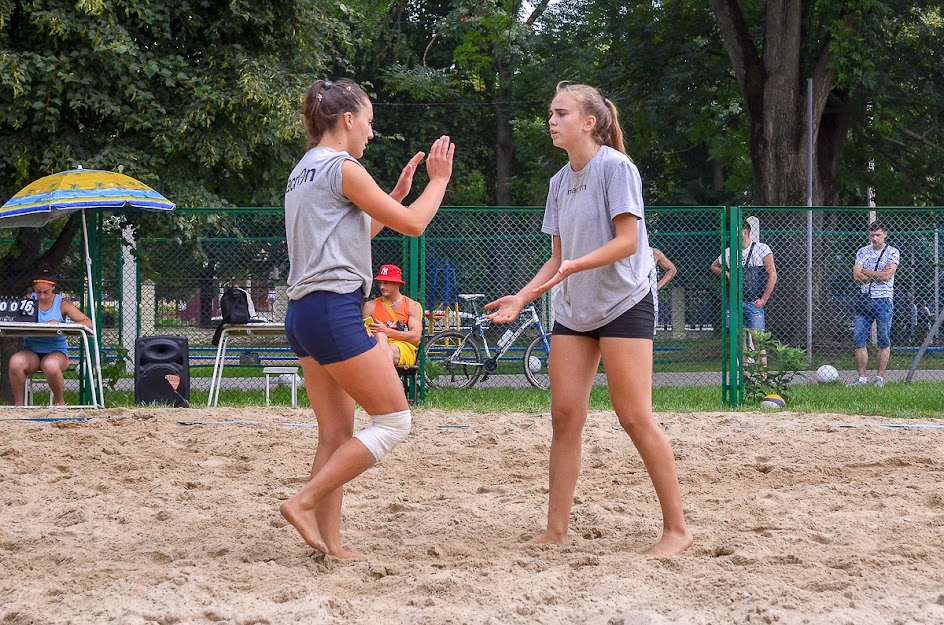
[874,272]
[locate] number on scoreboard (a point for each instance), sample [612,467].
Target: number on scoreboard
[18,309]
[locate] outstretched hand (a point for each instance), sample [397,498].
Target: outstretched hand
[405,182]
[567,268]
[509,307]
[439,163]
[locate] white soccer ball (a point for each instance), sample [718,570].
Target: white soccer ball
[285,379]
[827,374]
[534,363]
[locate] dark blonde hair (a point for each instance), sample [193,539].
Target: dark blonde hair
[607,130]
[326,102]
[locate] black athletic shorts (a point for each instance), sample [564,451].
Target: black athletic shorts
[638,322]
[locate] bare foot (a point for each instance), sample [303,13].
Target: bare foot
[547,537]
[672,543]
[306,524]
[343,554]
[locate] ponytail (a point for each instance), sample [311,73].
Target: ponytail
[615,138]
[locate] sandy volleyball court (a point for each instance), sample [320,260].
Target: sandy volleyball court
[132,517]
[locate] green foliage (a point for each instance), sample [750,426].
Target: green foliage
[182,94]
[198,99]
[113,369]
[770,366]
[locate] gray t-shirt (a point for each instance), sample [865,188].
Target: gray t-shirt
[328,236]
[580,210]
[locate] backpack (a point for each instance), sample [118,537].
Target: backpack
[236,307]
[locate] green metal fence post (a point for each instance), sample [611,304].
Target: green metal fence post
[731,302]
[414,251]
[737,303]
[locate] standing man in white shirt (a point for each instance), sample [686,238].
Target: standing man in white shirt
[874,271]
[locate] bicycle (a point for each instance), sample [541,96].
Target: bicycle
[454,358]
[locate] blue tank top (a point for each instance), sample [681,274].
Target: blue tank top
[43,345]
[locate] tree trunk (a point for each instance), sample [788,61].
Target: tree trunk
[776,95]
[208,291]
[504,139]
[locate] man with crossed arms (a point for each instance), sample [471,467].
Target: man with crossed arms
[874,272]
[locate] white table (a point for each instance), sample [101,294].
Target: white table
[242,329]
[93,374]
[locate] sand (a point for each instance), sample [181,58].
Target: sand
[132,517]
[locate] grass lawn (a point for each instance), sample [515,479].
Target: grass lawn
[900,400]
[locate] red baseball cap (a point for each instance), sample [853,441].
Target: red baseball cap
[390,273]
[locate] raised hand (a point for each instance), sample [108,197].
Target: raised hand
[405,182]
[439,162]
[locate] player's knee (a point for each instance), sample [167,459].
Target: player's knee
[385,432]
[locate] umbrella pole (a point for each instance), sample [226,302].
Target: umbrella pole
[97,387]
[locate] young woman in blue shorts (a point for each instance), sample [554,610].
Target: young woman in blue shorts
[333,208]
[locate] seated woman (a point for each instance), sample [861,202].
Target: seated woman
[48,354]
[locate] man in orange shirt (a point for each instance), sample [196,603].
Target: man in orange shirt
[393,318]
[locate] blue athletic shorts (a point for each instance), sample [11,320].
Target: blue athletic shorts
[639,322]
[327,326]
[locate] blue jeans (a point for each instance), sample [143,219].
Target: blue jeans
[754,317]
[881,313]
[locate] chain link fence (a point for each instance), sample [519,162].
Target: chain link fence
[494,252]
[164,274]
[812,305]
[176,282]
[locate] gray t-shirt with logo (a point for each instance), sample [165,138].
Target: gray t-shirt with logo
[580,210]
[328,236]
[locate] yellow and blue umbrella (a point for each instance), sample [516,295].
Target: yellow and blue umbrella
[66,192]
[59,194]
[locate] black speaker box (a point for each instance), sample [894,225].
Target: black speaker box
[162,371]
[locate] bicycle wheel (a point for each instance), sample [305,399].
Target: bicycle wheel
[535,362]
[453,360]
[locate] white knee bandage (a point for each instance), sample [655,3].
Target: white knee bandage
[385,432]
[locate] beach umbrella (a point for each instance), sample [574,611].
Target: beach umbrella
[66,192]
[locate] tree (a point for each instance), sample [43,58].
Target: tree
[842,46]
[197,99]
[469,48]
